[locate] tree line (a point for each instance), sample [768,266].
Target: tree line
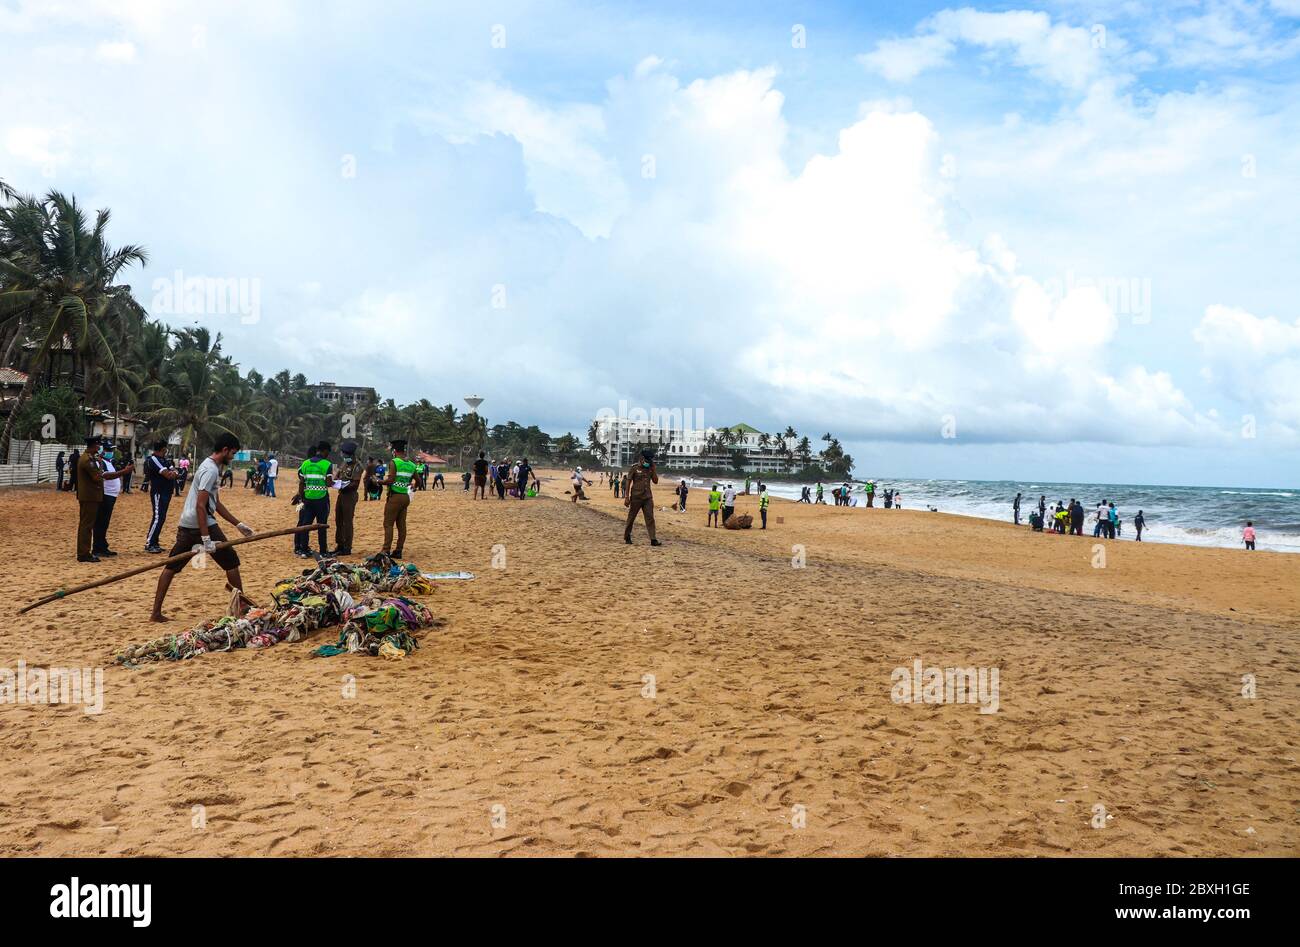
[70,323]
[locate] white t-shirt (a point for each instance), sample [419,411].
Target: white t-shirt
[208,478]
[729,497]
[272,467]
[112,488]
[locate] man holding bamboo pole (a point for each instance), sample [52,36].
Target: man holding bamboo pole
[198,523]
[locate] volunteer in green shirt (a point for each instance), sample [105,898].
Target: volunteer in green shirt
[398,481]
[313,489]
[715,505]
[762,506]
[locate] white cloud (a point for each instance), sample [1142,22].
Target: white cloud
[1069,56]
[119,52]
[901,60]
[1254,360]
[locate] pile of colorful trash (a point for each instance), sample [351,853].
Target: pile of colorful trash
[366,600]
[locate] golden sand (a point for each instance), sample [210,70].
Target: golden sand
[526,725]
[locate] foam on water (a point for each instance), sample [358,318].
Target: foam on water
[1193,516]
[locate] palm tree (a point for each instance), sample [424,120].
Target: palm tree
[788,440]
[57,277]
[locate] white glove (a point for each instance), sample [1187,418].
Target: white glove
[244,528]
[209,544]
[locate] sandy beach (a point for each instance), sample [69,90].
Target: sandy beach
[704,698]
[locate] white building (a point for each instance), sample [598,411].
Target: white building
[681,448]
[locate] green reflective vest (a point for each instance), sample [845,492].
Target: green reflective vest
[404,470]
[315,476]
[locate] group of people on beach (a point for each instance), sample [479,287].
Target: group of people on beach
[502,477]
[1070,519]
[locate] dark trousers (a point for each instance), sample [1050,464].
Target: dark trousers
[645,506]
[343,512]
[161,500]
[89,512]
[312,511]
[726,512]
[103,516]
[60,486]
[763,513]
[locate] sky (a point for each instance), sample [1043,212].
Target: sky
[1053,242]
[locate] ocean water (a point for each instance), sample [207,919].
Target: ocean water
[1194,516]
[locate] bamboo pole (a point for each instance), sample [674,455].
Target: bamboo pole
[182,557]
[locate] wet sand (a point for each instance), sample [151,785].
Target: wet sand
[702,698]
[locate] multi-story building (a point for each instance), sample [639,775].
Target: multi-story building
[682,448]
[347,395]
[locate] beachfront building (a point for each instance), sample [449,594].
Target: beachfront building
[347,395]
[681,448]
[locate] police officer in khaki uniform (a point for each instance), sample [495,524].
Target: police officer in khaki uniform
[350,474]
[639,498]
[90,495]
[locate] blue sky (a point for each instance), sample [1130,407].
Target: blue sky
[1062,233]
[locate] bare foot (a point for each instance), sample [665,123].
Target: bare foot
[158,616]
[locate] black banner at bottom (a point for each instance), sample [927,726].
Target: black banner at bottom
[337,896]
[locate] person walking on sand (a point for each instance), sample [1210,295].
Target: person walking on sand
[198,526]
[1139,523]
[1248,535]
[1015,509]
[640,496]
[715,506]
[521,478]
[578,481]
[762,507]
[682,491]
[820,498]
[398,482]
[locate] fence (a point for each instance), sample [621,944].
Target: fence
[33,462]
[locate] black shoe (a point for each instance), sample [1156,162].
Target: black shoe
[655,542]
[88,558]
[628,540]
[105,552]
[397,554]
[153,549]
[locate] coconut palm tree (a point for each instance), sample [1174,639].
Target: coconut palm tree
[57,284]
